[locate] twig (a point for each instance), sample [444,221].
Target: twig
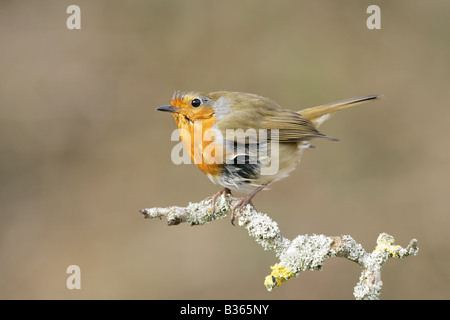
[305,252]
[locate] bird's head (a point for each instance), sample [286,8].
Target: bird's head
[188,107]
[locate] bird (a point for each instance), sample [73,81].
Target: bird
[244,141]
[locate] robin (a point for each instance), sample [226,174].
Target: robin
[244,141]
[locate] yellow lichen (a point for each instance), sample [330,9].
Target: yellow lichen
[277,277]
[385,243]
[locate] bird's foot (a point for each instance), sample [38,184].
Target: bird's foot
[242,203]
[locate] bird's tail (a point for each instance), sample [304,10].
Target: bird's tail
[318,115]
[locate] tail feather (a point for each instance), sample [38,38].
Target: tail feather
[318,115]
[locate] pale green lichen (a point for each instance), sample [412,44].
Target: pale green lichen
[303,253]
[201,213]
[351,249]
[369,286]
[306,253]
[263,229]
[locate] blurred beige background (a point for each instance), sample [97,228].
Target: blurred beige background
[82,149]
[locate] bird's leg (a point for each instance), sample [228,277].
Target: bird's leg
[225,191]
[245,201]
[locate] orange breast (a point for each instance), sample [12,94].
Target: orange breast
[200,143]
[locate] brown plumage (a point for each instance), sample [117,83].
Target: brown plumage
[247,158]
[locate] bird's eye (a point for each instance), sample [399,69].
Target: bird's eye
[196,103]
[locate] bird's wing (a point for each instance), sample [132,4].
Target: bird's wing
[291,127]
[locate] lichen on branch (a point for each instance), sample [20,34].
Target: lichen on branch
[305,252]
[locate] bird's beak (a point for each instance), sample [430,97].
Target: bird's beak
[168,108]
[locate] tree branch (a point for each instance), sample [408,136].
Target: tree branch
[305,252]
